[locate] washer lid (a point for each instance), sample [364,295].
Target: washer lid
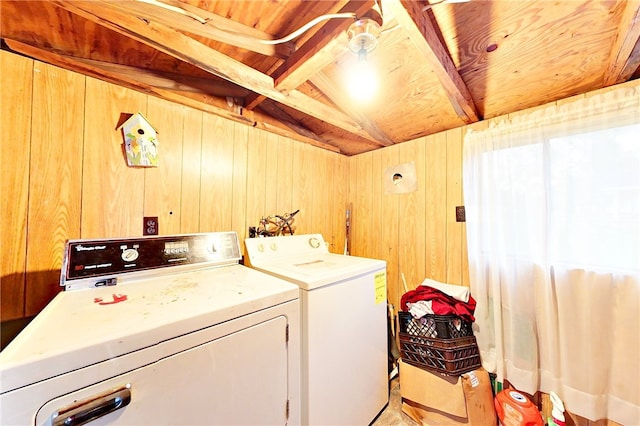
[83,327]
[313,271]
[305,260]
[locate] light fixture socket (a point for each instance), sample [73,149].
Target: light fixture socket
[363,35]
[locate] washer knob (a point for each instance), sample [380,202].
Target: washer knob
[129,255]
[314,242]
[261,248]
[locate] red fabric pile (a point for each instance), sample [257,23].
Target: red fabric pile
[441,303]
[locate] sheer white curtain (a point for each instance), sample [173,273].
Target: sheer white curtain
[553,228]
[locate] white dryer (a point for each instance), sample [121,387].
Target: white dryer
[157,331]
[344,327]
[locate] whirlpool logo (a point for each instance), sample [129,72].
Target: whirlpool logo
[83,248]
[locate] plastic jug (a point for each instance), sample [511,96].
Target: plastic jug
[558,410]
[515,409]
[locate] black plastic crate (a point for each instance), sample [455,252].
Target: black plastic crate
[452,356]
[440,326]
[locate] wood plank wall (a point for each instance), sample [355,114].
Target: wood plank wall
[64,175]
[416,233]
[16,83]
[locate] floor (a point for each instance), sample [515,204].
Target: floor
[393,415]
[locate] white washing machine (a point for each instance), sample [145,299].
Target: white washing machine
[157,331]
[344,326]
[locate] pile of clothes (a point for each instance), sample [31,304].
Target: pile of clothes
[436,328]
[436,298]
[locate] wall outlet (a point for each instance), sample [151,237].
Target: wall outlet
[150,225]
[460,214]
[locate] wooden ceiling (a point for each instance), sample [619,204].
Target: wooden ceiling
[439,67]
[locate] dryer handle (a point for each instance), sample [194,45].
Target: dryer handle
[92,408]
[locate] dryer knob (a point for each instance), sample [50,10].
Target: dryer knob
[261,248]
[273,246]
[314,242]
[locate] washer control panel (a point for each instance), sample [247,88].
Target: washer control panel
[95,258]
[289,246]
[314,242]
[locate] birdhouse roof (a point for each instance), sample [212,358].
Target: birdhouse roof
[135,116]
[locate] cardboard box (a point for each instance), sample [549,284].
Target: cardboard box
[433,399]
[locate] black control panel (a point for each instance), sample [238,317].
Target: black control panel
[95,258]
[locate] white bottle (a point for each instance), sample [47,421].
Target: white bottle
[558,410]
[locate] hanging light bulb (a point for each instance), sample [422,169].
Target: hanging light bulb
[362,82]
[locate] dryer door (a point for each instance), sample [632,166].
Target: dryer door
[238,379]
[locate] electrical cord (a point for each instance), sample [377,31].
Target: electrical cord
[307,26]
[175,9]
[293,35]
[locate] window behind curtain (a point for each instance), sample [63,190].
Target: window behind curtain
[595,198]
[589,183]
[553,232]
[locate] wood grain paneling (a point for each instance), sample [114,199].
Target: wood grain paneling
[363,215]
[302,188]
[284,180]
[271,174]
[411,223]
[162,184]
[456,257]
[389,222]
[309,171]
[16,74]
[317,164]
[191,163]
[436,204]
[339,203]
[112,193]
[341,197]
[239,222]
[256,171]
[55,178]
[322,199]
[408,230]
[217,174]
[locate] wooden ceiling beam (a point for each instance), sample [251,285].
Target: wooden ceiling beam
[200,101]
[424,37]
[332,51]
[172,81]
[215,27]
[265,122]
[185,48]
[107,73]
[625,52]
[324,47]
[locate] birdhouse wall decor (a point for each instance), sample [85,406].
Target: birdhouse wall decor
[140,142]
